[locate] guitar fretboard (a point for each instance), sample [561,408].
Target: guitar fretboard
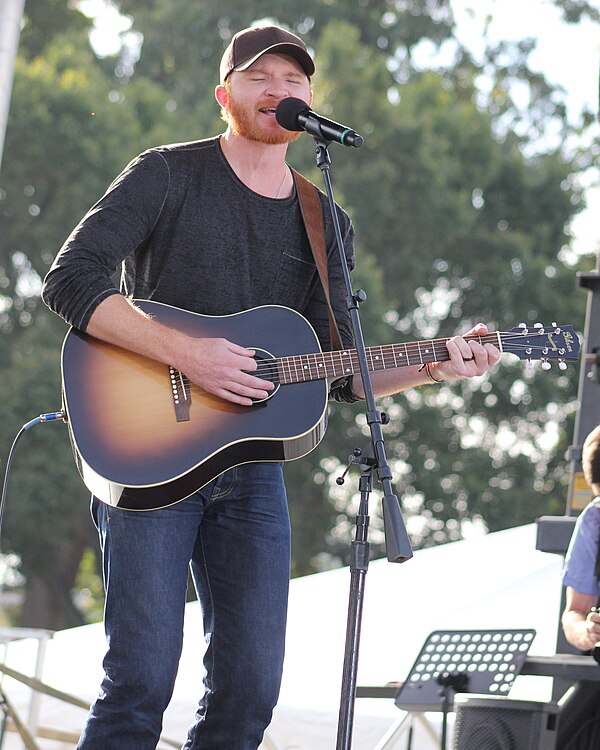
[336,364]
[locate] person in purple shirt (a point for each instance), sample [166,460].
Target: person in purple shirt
[581,619]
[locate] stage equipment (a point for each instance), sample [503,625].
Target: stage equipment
[467,661]
[485,722]
[295,114]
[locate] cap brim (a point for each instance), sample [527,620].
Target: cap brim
[292,50]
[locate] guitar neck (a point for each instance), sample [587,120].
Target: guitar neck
[343,362]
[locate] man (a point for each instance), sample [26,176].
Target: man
[213,226]
[580,619]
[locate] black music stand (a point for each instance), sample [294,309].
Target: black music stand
[463,661]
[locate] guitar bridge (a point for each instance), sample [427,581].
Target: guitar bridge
[180,392]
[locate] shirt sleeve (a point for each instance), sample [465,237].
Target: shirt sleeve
[81,276]
[580,561]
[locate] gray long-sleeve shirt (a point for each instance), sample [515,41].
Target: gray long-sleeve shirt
[189,233]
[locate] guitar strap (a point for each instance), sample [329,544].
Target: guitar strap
[312,215]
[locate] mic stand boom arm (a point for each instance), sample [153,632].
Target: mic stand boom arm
[398,548]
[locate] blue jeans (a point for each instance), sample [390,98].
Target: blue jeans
[234,535]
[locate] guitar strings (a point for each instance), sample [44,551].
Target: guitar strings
[433,350]
[419,351]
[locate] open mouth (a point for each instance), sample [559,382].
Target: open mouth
[267,110]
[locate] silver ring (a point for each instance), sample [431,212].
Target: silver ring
[468,359]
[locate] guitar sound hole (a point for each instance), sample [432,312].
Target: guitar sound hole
[266,370]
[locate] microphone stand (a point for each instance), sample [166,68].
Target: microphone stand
[398,548]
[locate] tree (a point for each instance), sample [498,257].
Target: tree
[167,52]
[467,228]
[575,10]
[47,515]
[70,132]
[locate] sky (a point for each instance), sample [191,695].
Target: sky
[568,55]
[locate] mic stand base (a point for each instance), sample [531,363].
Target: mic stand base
[359,564]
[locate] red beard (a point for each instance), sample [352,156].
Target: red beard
[243,123]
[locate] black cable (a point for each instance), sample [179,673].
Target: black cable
[50,417]
[582,741]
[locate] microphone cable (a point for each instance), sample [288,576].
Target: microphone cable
[52,416]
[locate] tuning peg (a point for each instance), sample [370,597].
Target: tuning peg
[546,365]
[562,365]
[538,325]
[530,364]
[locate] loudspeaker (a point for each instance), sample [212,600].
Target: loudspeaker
[496,723]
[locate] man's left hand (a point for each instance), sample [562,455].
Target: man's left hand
[467,358]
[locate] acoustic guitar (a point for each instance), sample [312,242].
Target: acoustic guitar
[145,437]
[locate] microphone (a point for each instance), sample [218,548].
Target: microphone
[294,114]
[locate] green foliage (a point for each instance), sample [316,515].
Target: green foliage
[576,10]
[89,588]
[44,20]
[467,228]
[70,131]
[47,518]
[183,42]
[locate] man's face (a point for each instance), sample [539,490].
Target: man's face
[252,96]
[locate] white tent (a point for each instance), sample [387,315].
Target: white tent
[494,581]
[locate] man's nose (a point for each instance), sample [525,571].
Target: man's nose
[278,87]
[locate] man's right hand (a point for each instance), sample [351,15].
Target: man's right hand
[218,366]
[225,369]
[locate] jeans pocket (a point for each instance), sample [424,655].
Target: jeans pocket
[223,486]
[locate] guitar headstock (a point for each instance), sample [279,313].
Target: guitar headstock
[542,342]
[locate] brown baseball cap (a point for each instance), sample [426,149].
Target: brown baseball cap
[249,44]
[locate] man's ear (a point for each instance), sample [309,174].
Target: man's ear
[221,95]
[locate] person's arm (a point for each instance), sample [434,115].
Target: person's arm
[221,367]
[581,626]
[82,274]
[79,287]
[467,359]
